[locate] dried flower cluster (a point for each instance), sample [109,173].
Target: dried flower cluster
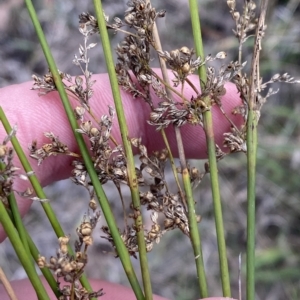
[158,198]
[109,162]
[129,237]
[135,75]
[7,169]
[71,267]
[246,22]
[133,53]
[81,86]
[53,148]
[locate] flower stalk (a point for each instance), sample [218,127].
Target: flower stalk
[188,199]
[208,128]
[103,201]
[25,260]
[132,178]
[252,121]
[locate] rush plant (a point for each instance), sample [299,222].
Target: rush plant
[103,158]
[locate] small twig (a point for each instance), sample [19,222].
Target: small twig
[7,286]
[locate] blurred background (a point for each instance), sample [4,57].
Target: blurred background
[278,180]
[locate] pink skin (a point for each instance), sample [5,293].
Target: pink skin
[24,291]
[35,115]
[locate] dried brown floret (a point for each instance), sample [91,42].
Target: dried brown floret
[51,149]
[72,267]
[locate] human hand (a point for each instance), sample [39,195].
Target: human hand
[35,115]
[112,291]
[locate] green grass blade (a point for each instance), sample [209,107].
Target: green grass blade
[33,179]
[15,214]
[45,271]
[195,237]
[127,148]
[103,201]
[193,226]
[29,245]
[252,121]
[251,193]
[18,221]
[208,126]
[21,253]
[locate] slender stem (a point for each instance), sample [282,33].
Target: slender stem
[132,179]
[251,191]
[252,121]
[27,242]
[21,253]
[195,235]
[188,199]
[198,44]
[18,222]
[166,81]
[121,249]
[210,140]
[17,217]
[35,254]
[7,286]
[217,205]
[173,166]
[33,179]
[37,187]
[45,271]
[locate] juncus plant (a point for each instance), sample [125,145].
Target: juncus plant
[173,106]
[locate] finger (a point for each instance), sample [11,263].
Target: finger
[217,298]
[112,291]
[35,115]
[24,290]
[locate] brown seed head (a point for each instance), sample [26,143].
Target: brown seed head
[88,240]
[3,150]
[93,204]
[41,261]
[85,229]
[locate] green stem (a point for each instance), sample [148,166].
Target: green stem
[15,215]
[188,198]
[45,271]
[194,234]
[210,140]
[217,204]
[173,166]
[252,121]
[198,44]
[132,179]
[33,179]
[17,220]
[103,201]
[251,191]
[21,253]
[26,240]
[38,188]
